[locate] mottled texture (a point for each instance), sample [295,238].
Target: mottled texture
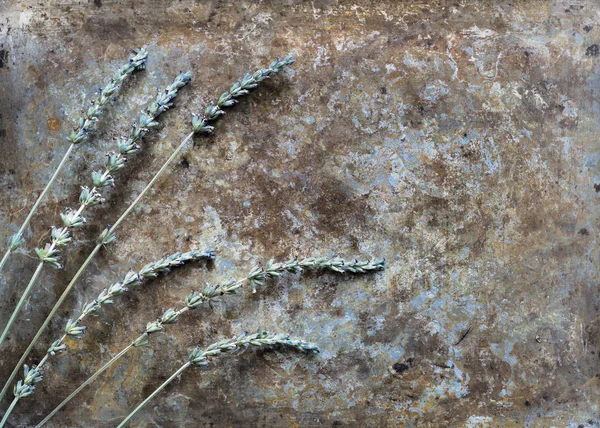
[457,139]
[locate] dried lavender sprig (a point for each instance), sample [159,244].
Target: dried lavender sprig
[214,292]
[74,329]
[108,235]
[50,253]
[200,357]
[81,132]
[24,388]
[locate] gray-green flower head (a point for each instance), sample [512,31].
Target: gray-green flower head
[105,298]
[199,357]
[141,340]
[147,122]
[200,124]
[278,65]
[31,375]
[57,347]
[339,265]
[15,241]
[60,236]
[256,277]
[153,327]
[194,299]
[50,256]
[199,255]
[212,112]
[89,198]
[180,81]
[163,99]
[102,179]
[169,317]
[72,218]
[90,308]
[77,135]
[131,279]
[73,329]
[127,146]
[80,132]
[106,238]
[138,58]
[117,288]
[114,162]
[285,340]
[25,387]
[211,291]
[230,287]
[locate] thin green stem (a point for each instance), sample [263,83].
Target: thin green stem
[24,296]
[84,384]
[151,396]
[48,319]
[39,200]
[22,300]
[5,258]
[8,411]
[151,183]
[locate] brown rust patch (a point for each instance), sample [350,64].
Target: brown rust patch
[53,124]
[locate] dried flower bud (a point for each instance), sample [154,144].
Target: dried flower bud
[102,179]
[256,277]
[49,255]
[91,307]
[200,125]
[72,218]
[127,146]
[72,329]
[170,316]
[117,288]
[106,237]
[141,340]
[60,236]
[213,112]
[114,162]
[263,339]
[132,278]
[89,198]
[153,327]
[57,347]
[15,241]
[194,299]
[31,375]
[105,298]
[147,121]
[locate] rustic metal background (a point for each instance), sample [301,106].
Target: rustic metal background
[457,139]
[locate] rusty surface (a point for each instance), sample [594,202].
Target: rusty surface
[457,139]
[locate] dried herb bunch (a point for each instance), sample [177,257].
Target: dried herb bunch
[200,125]
[215,292]
[201,357]
[74,329]
[81,132]
[115,161]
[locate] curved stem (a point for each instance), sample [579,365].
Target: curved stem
[8,411]
[48,319]
[84,384]
[151,396]
[39,200]
[22,300]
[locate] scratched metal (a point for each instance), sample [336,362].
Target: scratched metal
[459,140]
